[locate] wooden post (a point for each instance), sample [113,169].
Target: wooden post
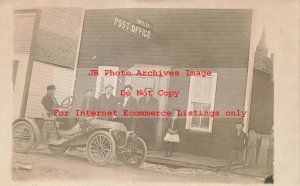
[77,53]
[250,74]
[160,124]
[30,60]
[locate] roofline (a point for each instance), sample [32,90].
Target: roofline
[54,64]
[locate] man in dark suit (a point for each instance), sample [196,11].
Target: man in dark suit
[89,102]
[49,101]
[146,126]
[107,102]
[128,103]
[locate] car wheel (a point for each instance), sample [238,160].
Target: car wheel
[138,154]
[57,149]
[23,137]
[101,148]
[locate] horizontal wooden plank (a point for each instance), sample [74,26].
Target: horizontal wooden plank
[170,11]
[129,54]
[204,47]
[158,60]
[23,29]
[192,33]
[174,64]
[207,38]
[170,23]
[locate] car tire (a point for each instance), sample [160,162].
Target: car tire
[101,148]
[141,158]
[23,137]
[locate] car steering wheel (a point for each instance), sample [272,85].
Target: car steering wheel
[68,102]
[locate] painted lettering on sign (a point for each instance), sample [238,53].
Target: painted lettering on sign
[135,29]
[144,23]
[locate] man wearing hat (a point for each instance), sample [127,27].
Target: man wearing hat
[107,102]
[49,101]
[89,102]
[128,103]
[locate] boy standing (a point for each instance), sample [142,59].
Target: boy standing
[239,144]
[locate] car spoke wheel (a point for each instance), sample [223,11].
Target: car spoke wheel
[57,149]
[101,147]
[137,154]
[23,137]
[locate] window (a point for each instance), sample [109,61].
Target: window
[103,80]
[201,98]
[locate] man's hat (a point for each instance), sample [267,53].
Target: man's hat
[128,86]
[109,86]
[51,87]
[146,88]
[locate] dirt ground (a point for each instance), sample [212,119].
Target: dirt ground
[71,166]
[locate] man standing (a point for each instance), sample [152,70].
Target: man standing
[146,126]
[128,103]
[89,103]
[49,101]
[107,102]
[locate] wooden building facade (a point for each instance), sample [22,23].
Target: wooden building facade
[200,39]
[45,48]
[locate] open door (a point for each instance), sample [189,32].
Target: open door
[156,83]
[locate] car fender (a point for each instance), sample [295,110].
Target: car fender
[33,124]
[82,138]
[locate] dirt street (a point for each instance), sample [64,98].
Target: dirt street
[70,166]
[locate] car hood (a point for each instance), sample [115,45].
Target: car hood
[97,123]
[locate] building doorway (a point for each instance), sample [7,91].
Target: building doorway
[156,83]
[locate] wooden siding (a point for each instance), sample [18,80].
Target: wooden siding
[57,41]
[186,37]
[58,34]
[23,29]
[63,21]
[55,49]
[43,75]
[230,96]
[230,92]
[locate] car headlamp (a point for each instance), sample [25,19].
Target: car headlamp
[133,136]
[116,134]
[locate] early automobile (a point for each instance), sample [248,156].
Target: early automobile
[102,140]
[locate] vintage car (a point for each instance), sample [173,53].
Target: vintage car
[102,140]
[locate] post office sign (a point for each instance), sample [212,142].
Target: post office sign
[141,29]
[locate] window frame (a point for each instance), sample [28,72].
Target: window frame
[212,102]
